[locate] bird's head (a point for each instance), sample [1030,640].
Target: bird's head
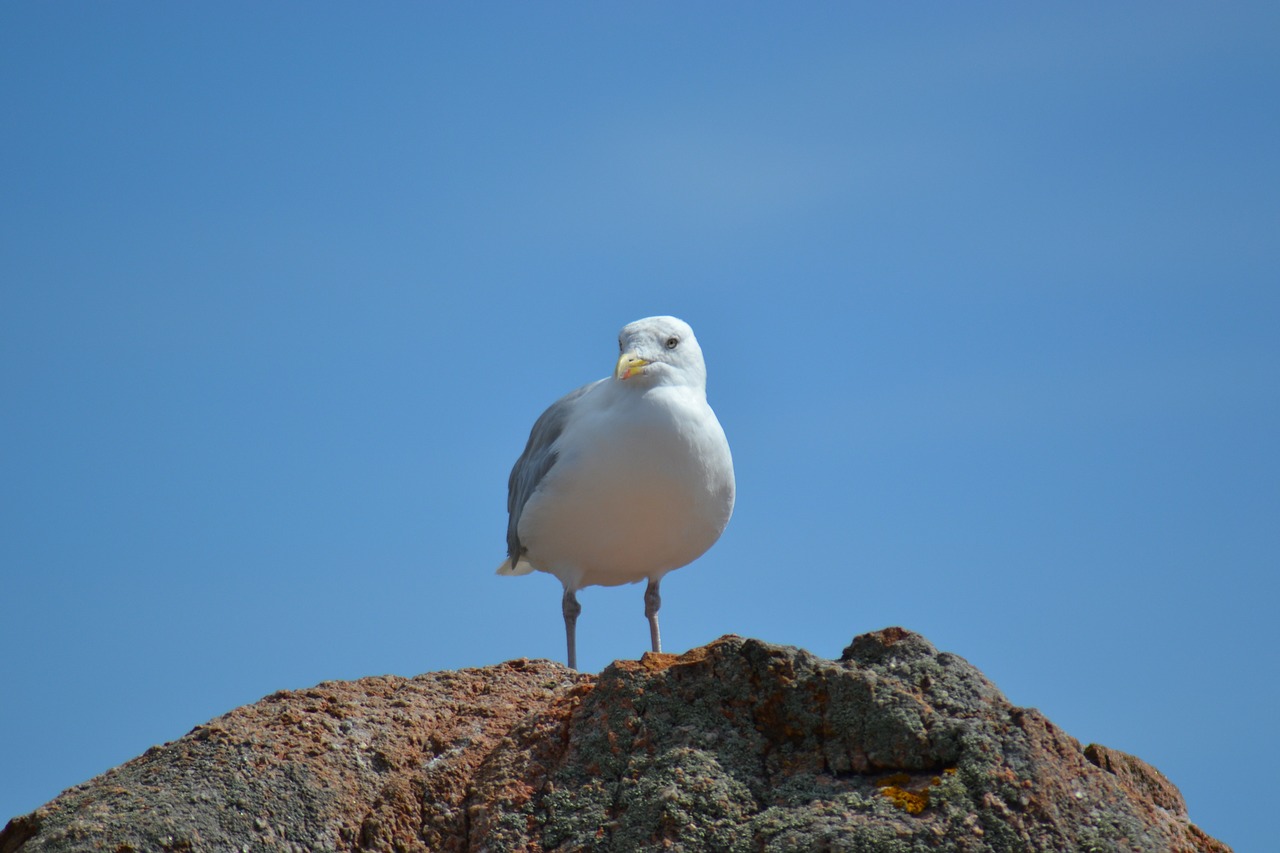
[660,351]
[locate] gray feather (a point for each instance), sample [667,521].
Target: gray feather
[538,458]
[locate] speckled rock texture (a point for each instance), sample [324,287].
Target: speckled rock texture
[736,746]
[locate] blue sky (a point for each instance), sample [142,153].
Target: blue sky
[988,298]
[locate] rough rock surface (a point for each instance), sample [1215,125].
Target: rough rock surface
[738,745]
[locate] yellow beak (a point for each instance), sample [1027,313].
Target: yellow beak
[629,364]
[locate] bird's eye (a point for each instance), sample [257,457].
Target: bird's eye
[672,342]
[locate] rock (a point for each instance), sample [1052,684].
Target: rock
[738,745]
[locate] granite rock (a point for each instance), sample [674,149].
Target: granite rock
[737,745]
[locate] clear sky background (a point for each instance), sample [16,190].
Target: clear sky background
[989,296]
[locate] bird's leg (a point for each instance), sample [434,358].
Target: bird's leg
[571,609]
[652,601]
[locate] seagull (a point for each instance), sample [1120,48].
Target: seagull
[624,479]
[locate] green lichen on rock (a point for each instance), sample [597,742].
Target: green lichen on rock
[747,745]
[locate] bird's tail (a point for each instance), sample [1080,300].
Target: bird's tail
[520,567]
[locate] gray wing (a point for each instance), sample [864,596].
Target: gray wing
[538,458]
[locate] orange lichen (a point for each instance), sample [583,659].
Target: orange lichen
[911,802]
